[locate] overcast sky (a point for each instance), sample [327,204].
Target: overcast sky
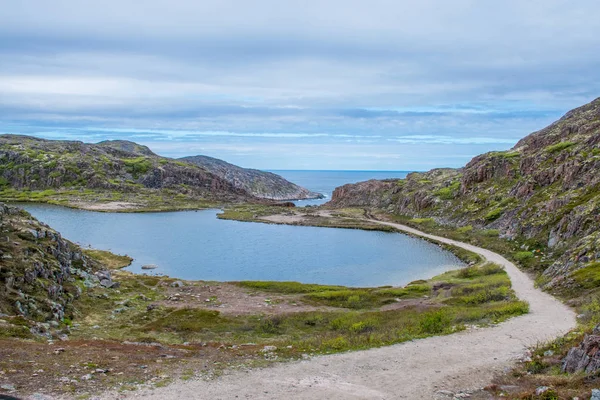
[328,84]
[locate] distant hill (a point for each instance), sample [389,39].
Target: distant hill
[258,183]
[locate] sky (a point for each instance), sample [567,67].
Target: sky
[328,84]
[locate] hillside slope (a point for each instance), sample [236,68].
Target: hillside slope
[544,192]
[41,274]
[38,169]
[258,183]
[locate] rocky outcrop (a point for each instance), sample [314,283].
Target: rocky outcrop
[586,356]
[40,272]
[261,184]
[128,147]
[544,191]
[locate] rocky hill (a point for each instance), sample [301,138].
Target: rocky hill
[28,163]
[72,172]
[258,183]
[545,192]
[130,147]
[40,272]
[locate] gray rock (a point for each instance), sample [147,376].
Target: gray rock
[585,357]
[541,390]
[8,386]
[177,284]
[595,394]
[267,349]
[40,396]
[106,283]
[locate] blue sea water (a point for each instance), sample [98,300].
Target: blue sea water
[325,182]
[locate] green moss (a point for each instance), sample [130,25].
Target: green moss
[588,276]
[137,166]
[493,214]
[110,260]
[449,192]
[490,232]
[555,148]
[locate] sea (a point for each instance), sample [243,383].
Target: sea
[324,181]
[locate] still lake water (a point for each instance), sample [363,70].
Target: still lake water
[196,245]
[325,182]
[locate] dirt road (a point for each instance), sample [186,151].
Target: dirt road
[420,369]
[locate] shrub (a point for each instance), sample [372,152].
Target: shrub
[490,232]
[465,229]
[269,325]
[522,256]
[493,214]
[338,343]
[137,166]
[435,322]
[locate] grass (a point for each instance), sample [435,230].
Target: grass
[558,147]
[139,199]
[287,287]
[588,277]
[354,318]
[110,260]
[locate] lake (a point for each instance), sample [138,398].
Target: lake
[196,245]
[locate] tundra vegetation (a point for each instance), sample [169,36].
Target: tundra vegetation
[538,205]
[152,329]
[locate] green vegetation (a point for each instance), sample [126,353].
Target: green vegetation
[493,214]
[287,286]
[449,192]
[588,277]
[137,166]
[558,147]
[110,260]
[476,295]
[523,256]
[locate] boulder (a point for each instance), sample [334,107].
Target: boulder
[586,356]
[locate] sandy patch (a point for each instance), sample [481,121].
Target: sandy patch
[109,206]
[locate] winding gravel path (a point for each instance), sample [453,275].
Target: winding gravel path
[413,370]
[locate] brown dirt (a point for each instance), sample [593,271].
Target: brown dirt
[63,367]
[230,299]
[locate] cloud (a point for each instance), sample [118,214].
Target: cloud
[475,75]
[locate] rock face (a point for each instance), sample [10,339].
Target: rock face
[28,163]
[585,357]
[545,190]
[258,183]
[130,147]
[40,272]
